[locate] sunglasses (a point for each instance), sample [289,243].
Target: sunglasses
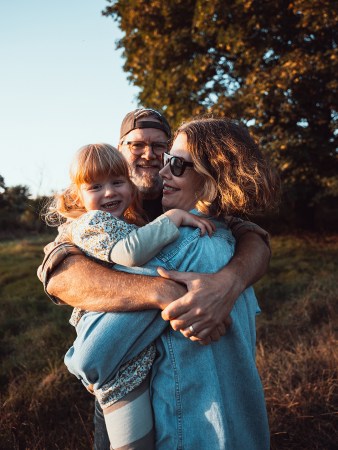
[177,165]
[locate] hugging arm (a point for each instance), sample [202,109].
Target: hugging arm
[113,240]
[110,239]
[71,278]
[211,297]
[81,283]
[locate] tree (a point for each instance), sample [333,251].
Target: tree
[13,202]
[2,183]
[272,63]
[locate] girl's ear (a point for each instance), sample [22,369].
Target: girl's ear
[74,201]
[78,196]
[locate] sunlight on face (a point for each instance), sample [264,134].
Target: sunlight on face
[180,192]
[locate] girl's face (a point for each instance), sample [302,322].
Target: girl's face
[112,194]
[180,191]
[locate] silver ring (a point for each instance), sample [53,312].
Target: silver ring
[191,328]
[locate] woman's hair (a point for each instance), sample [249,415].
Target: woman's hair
[90,163]
[237,177]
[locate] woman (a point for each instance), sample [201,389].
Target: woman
[206,397]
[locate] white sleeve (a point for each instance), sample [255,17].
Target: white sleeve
[144,243]
[107,238]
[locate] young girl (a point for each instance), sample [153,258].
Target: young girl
[102,210]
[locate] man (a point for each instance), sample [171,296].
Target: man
[183,297]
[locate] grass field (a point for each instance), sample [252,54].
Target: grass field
[44,407]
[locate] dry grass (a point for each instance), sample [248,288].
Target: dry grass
[44,407]
[297,349]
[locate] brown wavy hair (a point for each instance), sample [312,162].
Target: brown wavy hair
[92,162]
[238,179]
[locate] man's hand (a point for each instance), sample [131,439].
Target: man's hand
[206,306]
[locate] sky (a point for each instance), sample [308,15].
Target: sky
[61,86]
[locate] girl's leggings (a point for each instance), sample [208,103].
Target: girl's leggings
[129,421]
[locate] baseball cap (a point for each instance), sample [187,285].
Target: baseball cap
[133,120]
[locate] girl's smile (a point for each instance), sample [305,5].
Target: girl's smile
[112,194]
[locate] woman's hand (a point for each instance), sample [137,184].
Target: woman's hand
[184,218]
[220,330]
[206,306]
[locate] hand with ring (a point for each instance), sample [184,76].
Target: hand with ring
[219,331]
[190,333]
[193,332]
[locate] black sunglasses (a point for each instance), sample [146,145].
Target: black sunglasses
[177,165]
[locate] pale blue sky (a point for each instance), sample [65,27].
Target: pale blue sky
[61,86]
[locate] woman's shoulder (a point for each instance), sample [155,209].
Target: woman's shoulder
[222,232]
[193,252]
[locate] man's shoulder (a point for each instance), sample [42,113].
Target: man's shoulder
[153,208]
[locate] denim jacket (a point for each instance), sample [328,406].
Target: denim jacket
[203,397]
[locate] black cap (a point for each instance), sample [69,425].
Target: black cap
[132,122]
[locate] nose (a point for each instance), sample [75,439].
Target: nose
[110,190]
[148,153]
[165,171]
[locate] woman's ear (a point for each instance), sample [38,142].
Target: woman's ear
[207,196]
[209,191]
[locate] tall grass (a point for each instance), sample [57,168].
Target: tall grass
[44,407]
[297,349]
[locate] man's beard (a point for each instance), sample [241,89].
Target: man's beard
[149,185]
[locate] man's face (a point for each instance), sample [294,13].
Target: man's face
[144,168]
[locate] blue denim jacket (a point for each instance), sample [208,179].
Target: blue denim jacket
[203,397]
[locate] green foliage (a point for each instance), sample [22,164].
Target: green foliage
[271,63]
[18,212]
[2,183]
[13,202]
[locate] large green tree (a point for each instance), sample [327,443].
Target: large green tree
[272,63]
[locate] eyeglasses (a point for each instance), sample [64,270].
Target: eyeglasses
[177,165]
[138,147]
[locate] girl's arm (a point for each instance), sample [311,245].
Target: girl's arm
[144,243]
[104,237]
[109,239]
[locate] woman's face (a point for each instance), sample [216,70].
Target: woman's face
[180,192]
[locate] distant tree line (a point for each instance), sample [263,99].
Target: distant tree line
[271,63]
[19,213]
